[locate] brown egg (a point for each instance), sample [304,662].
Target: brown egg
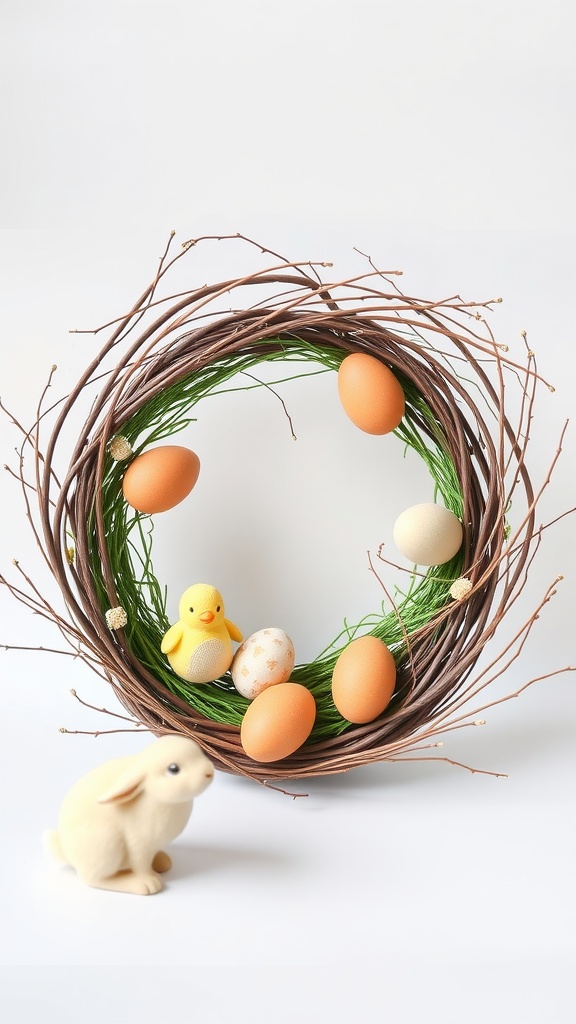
[160,478]
[371,396]
[363,679]
[277,722]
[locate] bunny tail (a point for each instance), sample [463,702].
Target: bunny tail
[51,841]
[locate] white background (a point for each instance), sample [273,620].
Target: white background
[438,138]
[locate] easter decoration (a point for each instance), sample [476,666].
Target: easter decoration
[427,375]
[371,396]
[264,659]
[428,534]
[160,478]
[115,821]
[199,645]
[277,722]
[363,679]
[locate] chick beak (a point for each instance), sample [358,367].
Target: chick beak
[206,617]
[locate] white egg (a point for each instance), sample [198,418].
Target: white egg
[262,660]
[428,534]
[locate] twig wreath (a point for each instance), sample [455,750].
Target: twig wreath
[165,356]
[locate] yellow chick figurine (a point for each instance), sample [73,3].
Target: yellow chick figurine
[199,645]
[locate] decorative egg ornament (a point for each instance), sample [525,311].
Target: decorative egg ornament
[371,396]
[266,658]
[363,680]
[160,478]
[277,722]
[428,534]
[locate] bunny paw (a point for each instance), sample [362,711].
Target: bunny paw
[146,885]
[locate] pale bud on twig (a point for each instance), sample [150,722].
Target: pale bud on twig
[116,618]
[120,448]
[460,588]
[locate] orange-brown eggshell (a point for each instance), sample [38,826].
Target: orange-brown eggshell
[363,679]
[160,478]
[277,722]
[371,396]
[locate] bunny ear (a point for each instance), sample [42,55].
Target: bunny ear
[128,786]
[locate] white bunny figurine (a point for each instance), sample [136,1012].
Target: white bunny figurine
[114,822]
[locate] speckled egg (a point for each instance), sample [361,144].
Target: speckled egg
[363,679]
[428,534]
[371,396]
[160,478]
[277,722]
[266,658]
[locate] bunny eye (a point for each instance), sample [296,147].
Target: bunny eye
[173,769]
